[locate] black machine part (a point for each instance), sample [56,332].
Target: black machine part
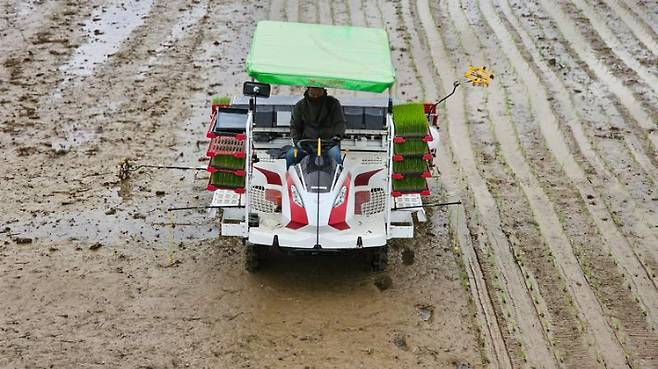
[318,171]
[256,89]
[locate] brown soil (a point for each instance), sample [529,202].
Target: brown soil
[550,263]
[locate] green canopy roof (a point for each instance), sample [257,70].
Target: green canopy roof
[300,54]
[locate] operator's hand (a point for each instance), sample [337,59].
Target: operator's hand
[336,138]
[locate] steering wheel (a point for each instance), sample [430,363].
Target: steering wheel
[310,145]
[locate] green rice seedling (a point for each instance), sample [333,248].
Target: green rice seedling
[410,120]
[226,162]
[223,100]
[410,166]
[409,184]
[228,180]
[411,147]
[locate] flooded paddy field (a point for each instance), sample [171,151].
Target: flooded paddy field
[550,263]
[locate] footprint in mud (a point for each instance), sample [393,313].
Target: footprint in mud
[408,256]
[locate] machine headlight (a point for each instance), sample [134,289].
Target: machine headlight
[340,199]
[296,198]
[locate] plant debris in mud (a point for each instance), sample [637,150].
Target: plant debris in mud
[124,169]
[400,342]
[407,256]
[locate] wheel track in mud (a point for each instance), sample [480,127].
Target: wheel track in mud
[642,34]
[650,289]
[618,48]
[584,50]
[635,325]
[645,285]
[493,343]
[640,11]
[643,188]
[524,312]
[496,353]
[558,147]
[507,134]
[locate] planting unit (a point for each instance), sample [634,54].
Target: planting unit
[411,153]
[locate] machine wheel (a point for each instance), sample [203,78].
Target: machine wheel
[252,256]
[379,258]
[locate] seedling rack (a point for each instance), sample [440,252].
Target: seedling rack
[226,146]
[411,153]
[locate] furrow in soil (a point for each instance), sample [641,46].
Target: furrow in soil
[504,120]
[636,107]
[527,337]
[643,35]
[647,11]
[548,122]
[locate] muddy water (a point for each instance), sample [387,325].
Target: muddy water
[107,28]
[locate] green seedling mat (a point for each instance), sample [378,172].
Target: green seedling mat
[410,166]
[411,147]
[227,162]
[220,100]
[410,120]
[410,184]
[226,180]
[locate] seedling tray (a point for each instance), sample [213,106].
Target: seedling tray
[411,168]
[227,122]
[410,185]
[225,162]
[226,145]
[410,120]
[221,180]
[410,147]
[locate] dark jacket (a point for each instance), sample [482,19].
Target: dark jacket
[317,118]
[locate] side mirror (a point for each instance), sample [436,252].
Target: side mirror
[256,89]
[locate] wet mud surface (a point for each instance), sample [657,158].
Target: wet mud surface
[550,263]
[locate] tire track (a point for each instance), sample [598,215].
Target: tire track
[644,284]
[423,71]
[590,311]
[292,10]
[585,52]
[493,344]
[523,311]
[597,109]
[634,227]
[647,289]
[638,29]
[278,12]
[650,20]
[599,25]
[402,50]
